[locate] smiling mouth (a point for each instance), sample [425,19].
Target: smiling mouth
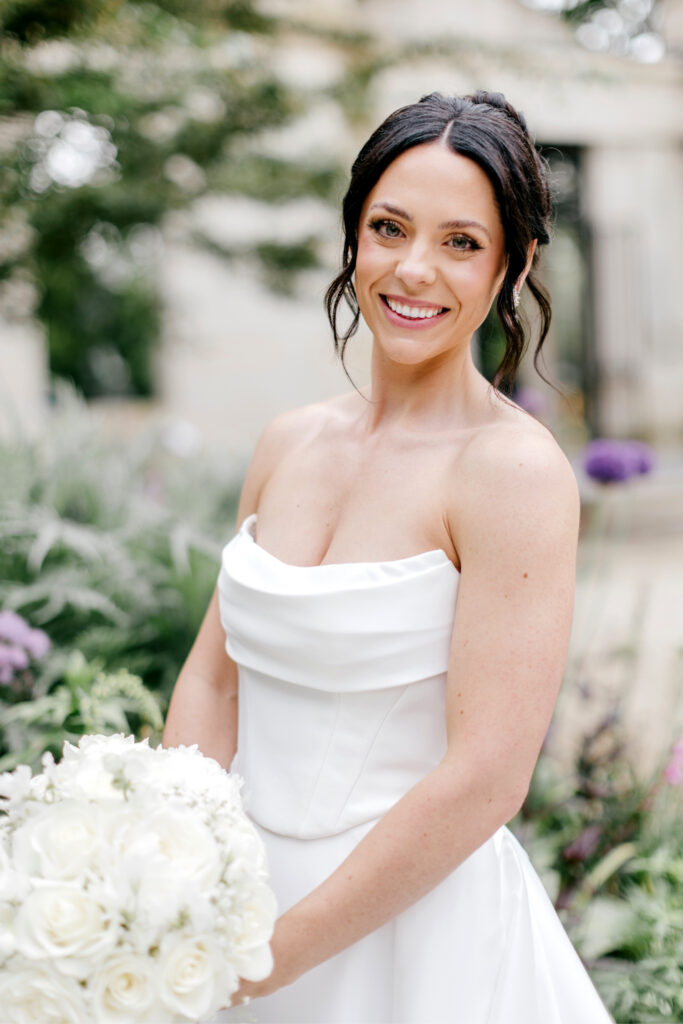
[413,312]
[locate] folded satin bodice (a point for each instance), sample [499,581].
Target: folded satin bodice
[342,671]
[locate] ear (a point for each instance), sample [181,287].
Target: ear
[519,283]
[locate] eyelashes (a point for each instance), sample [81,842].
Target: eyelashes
[385,228]
[389,229]
[471,244]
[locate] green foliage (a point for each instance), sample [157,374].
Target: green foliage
[491,344]
[163,92]
[273,180]
[282,262]
[582,10]
[610,849]
[113,552]
[590,815]
[86,700]
[33,21]
[641,977]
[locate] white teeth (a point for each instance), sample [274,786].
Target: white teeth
[412,312]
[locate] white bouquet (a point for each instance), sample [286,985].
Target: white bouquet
[132,887]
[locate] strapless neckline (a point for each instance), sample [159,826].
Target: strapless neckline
[433,557]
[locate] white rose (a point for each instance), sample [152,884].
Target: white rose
[136,880]
[125,989]
[14,883]
[247,854]
[182,841]
[96,745]
[253,921]
[83,779]
[8,942]
[62,921]
[163,900]
[96,766]
[61,841]
[15,786]
[190,969]
[186,770]
[31,994]
[154,900]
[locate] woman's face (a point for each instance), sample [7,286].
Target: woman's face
[431,253]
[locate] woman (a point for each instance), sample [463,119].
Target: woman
[385,739]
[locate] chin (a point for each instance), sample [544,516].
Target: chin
[406,351]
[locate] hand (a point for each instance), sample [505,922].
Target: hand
[283,947]
[249,990]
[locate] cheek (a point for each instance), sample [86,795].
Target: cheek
[371,262]
[478,279]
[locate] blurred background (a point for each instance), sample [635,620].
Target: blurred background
[172,175]
[170,181]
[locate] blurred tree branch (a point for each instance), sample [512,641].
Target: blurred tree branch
[111,116]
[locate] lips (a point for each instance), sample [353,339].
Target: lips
[410,313]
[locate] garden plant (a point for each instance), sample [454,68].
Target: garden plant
[108,557]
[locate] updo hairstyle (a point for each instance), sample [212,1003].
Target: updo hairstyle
[488,130]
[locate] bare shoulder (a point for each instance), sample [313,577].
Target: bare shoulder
[284,434]
[301,425]
[512,483]
[289,428]
[515,455]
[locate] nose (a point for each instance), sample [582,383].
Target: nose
[416,267]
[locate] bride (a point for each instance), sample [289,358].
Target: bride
[383,652]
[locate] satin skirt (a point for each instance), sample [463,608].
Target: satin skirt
[485,946]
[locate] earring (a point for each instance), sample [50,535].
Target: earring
[515,297]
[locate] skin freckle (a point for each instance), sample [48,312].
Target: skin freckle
[526,574]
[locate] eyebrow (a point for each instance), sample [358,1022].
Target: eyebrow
[398,212]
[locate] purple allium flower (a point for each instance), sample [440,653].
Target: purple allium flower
[612,461]
[37,643]
[673,773]
[13,628]
[642,455]
[607,461]
[18,645]
[13,656]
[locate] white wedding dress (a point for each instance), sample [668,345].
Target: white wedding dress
[342,673]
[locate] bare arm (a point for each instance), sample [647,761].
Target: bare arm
[517,542]
[203,707]
[204,704]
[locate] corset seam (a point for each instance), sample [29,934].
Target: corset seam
[323,763]
[370,748]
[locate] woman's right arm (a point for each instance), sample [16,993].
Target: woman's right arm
[203,708]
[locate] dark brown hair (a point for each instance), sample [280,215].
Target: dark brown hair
[488,130]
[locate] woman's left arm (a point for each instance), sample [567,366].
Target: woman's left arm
[516,536]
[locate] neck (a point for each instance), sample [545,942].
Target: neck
[443,394]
